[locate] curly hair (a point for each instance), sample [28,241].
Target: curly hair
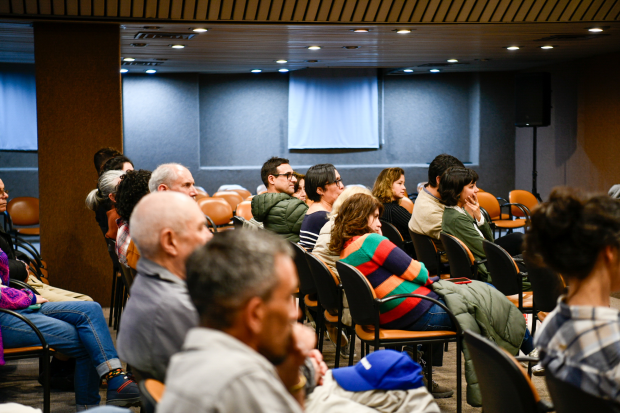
[383,185]
[452,183]
[569,231]
[352,219]
[132,187]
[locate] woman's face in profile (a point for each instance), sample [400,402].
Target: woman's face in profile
[374,223]
[301,192]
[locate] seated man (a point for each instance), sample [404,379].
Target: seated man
[166,227]
[242,284]
[277,209]
[172,177]
[428,211]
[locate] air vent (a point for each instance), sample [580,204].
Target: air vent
[570,37]
[443,64]
[136,63]
[168,36]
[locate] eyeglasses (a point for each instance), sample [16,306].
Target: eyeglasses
[288,175]
[338,182]
[4,191]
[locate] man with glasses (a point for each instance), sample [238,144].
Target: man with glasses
[277,209]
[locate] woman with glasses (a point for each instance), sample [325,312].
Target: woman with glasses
[323,186]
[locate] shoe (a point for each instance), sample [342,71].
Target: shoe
[124,395]
[439,391]
[538,370]
[332,331]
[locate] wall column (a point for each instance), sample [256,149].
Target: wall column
[79,111]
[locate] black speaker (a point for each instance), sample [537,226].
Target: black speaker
[533,104]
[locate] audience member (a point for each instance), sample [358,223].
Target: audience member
[101,200]
[390,189]
[103,155]
[463,219]
[428,211]
[172,177]
[300,187]
[579,237]
[166,228]
[323,186]
[118,163]
[614,191]
[246,354]
[277,209]
[75,329]
[132,187]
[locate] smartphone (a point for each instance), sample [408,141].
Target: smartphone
[33,307]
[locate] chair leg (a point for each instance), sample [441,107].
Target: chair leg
[338,345]
[534,322]
[111,316]
[352,346]
[429,368]
[45,360]
[320,326]
[446,347]
[459,395]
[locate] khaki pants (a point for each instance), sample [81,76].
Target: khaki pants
[54,294]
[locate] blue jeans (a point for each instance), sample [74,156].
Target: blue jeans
[73,328]
[435,319]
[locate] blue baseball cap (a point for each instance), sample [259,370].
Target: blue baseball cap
[381,370]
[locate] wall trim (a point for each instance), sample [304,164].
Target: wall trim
[19,169]
[351,166]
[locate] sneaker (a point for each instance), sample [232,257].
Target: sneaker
[439,391]
[124,395]
[538,370]
[332,331]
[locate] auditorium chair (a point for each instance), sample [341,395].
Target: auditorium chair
[231,197]
[308,298]
[243,192]
[151,392]
[218,213]
[24,212]
[501,220]
[427,253]
[462,261]
[525,198]
[407,204]
[244,209]
[571,399]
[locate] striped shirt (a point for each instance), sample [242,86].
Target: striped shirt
[391,271]
[310,229]
[122,240]
[581,345]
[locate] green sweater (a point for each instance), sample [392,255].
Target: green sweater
[280,213]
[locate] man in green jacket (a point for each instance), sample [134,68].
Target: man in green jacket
[277,209]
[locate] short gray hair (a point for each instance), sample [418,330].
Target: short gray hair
[164,174]
[232,268]
[105,186]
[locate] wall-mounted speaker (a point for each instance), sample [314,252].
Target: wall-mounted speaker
[533,99]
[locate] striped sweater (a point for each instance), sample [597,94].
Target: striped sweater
[391,271]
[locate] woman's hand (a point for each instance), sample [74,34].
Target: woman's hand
[320,368]
[41,300]
[473,207]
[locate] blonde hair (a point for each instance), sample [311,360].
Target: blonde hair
[383,185]
[346,194]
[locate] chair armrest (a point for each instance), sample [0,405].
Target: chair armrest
[500,199]
[518,260]
[210,221]
[487,217]
[21,284]
[523,208]
[30,324]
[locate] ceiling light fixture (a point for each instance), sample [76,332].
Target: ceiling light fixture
[138,44]
[546,47]
[408,70]
[595,29]
[314,47]
[256,70]
[128,59]
[435,70]
[283,70]
[513,48]
[403,31]
[281,61]
[453,61]
[350,47]
[360,30]
[124,70]
[151,71]
[177,46]
[199,29]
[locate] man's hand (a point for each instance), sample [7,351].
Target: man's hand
[302,342]
[473,207]
[41,300]
[320,368]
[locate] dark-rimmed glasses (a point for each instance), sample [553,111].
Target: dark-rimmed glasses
[288,175]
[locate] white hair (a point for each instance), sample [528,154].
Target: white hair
[153,213]
[347,193]
[105,186]
[164,174]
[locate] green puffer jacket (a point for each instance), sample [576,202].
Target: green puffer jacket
[484,310]
[280,213]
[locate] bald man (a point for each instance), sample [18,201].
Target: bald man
[172,177]
[166,227]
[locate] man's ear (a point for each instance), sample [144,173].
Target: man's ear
[163,187]
[271,179]
[168,242]
[254,313]
[437,179]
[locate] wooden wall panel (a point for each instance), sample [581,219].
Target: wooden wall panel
[31,6]
[489,10]
[150,9]
[429,13]
[85,8]
[58,7]
[202,8]
[466,10]
[614,12]
[371,11]
[99,8]
[188,9]
[334,14]
[593,9]
[78,112]
[17,6]
[176,9]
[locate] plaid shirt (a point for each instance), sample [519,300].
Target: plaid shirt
[122,240]
[581,345]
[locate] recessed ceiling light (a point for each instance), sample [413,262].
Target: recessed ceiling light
[360,30]
[453,61]
[350,47]
[138,44]
[199,29]
[435,70]
[314,47]
[408,70]
[256,70]
[152,27]
[282,70]
[595,29]
[513,48]
[177,46]
[403,31]
[124,70]
[128,59]
[151,71]
[312,61]
[281,61]
[546,47]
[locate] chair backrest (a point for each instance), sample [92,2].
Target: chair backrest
[151,392]
[504,385]
[360,295]
[112,251]
[217,209]
[547,286]
[201,191]
[519,196]
[390,232]
[199,196]
[326,283]
[425,251]
[243,192]
[571,399]
[490,204]
[244,209]
[503,269]
[306,280]
[231,197]
[24,210]
[459,256]
[407,204]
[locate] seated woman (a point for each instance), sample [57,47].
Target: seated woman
[132,187]
[579,237]
[323,186]
[116,163]
[76,329]
[462,217]
[300,187]
[390,188]
[102,198]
